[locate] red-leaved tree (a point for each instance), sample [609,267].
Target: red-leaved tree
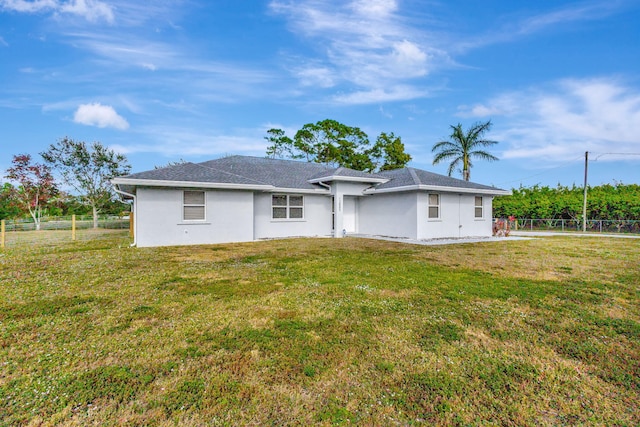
[35,185]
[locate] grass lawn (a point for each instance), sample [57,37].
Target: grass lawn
[321,331]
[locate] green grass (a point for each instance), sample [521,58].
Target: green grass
[320,332]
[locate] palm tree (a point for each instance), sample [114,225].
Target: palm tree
[462,147]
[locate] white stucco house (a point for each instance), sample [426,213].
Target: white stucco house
[240,198]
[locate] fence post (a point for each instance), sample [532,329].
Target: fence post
[131,224]
[73,227]
[2,232]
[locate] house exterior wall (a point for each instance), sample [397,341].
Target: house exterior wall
[391,214]
[316,221]
[237,216]
[228,218]
[457,217]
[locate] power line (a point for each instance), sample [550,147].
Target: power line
[542,173]
[617,154]
[565,164]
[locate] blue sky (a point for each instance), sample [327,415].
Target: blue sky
[167,80]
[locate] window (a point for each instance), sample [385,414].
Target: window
[479,207]
[287,207]
[434,206]
[193,206]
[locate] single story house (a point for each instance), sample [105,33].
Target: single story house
[240,198]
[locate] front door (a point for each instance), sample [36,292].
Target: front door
[350,214]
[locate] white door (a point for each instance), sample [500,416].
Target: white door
[350,214]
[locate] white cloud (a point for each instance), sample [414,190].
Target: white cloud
[3,42]
[565,119]
[28,6]
[560,18]
[316,76]
[376,8]
[394,93]
[175,142]
[409,59]
[366,43]
[91,10]
[99,115]
[501,105]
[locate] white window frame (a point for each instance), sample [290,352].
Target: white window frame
[288,207]
[478,208]
[430,205]
[186,205]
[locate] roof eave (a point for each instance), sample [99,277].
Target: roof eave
[443,189]
[372,180]
[299,190]
[190,184]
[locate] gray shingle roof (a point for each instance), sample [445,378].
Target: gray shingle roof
[276,172]
[290,174]
[192,172]
[410,177]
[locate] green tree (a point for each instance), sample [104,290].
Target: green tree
[281,145]
[463,146]
[9,204]
[389,150]
[171,163]
[605,202]
[36,185]
[336,144]
[88,169]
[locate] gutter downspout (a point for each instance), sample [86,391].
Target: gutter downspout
[135,215]
[327,186]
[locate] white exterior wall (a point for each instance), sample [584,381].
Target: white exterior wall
[316,221]
[237,216]
[472,226]
[457,217]
[391,214]
[229,218]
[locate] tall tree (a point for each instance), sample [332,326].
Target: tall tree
[281,145]
[88,169]
[463,146]
[36,185]
[9,205]
[389,150]
[336,144]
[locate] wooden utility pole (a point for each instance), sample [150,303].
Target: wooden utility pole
[584,199]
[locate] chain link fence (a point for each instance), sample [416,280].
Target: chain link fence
[83,222]
[593,225]
[54,230]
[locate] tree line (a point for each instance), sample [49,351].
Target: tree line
[336,144]
[606,202]
[86,169]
